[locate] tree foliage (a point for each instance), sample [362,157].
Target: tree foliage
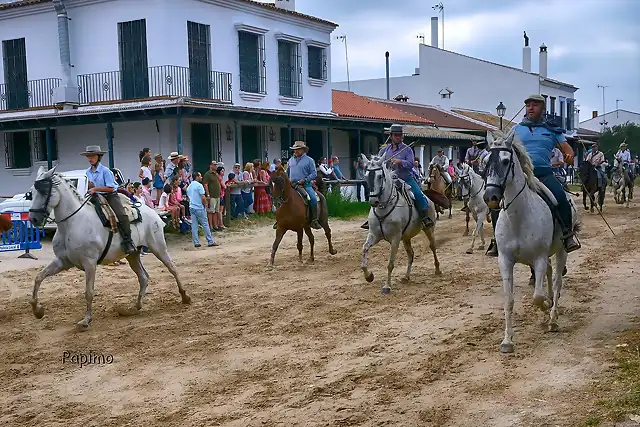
[611,139]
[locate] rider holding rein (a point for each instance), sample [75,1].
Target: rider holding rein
[102,180]
[402,163]
[540,138]
[302,171]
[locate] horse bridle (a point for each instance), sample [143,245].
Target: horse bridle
[467,178]
[371,176]
[45,186]
[510,168]
[277,200]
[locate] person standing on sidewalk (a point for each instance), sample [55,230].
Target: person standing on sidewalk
[197,203]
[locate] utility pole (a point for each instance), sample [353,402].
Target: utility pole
[617,101]
[440,7]
[604,122]
[346,55]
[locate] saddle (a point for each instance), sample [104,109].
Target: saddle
[107,215]
[303,193]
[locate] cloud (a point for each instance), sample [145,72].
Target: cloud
[590,42]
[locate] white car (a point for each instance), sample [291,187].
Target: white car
[79,180]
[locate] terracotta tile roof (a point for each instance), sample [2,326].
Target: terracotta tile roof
[485,117]
[439,117]
[429,132]
[348,104]
[269,6]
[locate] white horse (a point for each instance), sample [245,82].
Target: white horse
[81,240]
[526,232]
[619,183]
[394,218]
[472,186]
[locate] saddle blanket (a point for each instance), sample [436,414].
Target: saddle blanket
[108,217]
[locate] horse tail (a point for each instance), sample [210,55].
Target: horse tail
[577,227]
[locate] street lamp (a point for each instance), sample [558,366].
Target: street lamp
[501,110]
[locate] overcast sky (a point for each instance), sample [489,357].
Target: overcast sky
[590,42]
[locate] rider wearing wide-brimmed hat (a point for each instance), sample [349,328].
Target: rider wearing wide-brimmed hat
[102,180]
[539,138]
[302,171]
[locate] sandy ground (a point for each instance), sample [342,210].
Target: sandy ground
[314,344]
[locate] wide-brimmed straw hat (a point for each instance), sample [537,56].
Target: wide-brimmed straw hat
[173,155]
[158,155]
[623,144]
[394,129]
[299,145]
[93,150]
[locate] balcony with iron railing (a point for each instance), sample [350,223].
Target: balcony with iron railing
[28,94]
[558,121]
[160,81]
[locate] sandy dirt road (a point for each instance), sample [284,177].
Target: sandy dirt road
[314,344]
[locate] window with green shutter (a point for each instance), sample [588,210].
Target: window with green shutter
[289,64]
[252,63]
[17,150]
[317,63]
[134,68]
[14,55]
[199,44]
[39,139]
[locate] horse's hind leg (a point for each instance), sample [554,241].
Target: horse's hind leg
[372,239]
[53,268]
[432,245]
[299,245]
[143,278]
[312,240]
[165,258]
[327,233]
[584,199]
[410,255]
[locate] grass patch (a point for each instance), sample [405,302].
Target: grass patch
[618,396]
[343,207]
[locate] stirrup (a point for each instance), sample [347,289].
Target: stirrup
[572,248]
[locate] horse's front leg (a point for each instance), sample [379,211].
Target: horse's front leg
[395,244]
[432,245]
[584,199]
[372,239]
[53,268]
[299,246]
[309,234]
[506,271]
[410,255]
[539,297]
[467,219]
[561,262]
[90,277]
[279,235]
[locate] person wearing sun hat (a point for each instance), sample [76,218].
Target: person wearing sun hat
[302,170]
[174,159]
[102,181]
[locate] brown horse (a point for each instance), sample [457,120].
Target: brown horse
[439,185]
[5,224]
[291,214]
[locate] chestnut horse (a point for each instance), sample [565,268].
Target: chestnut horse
[5,224]
[291,214]
[439,185]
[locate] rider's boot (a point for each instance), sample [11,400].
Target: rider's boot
[492,250]
[365,225]
[426,220]
[570,242]
[125,232]
[315,224]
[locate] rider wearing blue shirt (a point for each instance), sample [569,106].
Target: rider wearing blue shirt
[540,138]
[302,170]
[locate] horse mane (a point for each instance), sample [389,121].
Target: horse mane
[58,179]
[521,154]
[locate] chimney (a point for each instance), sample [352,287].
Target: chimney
[594,114]
[66,95]
[434,31]
[543,60]
[286,5]
[526,55]
[386,55]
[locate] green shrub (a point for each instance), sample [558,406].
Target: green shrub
[340,206]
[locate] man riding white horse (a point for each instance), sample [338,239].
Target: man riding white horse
[539,138]
[441,160]
[596,158]
[102,181]
[624,156]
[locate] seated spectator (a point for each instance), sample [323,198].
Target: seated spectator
[165,206]
[145,192]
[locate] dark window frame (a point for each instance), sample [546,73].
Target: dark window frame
[11,154]
[289,69]
[317,62]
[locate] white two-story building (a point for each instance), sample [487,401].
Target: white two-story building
[232,80]
[455,81]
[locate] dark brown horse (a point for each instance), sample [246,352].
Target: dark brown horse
[438,184]
[292,214]
[589,179]
[5,224]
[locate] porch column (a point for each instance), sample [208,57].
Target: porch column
[109,143]
[359,144]
[49,138]
[420,155]
[235,139]
[329,148]
[179,132]
[289,136]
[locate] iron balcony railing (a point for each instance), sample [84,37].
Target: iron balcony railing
[554,120]
[162,80]
[38,93]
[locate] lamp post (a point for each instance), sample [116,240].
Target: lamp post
[501,110]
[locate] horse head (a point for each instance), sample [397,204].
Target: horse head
[465,180]
[278,182]
[380,181]
[44,196]
[508,160]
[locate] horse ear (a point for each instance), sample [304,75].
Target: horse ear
[509,139]
[41,171]
[365,161]
[50,172]
[489,138]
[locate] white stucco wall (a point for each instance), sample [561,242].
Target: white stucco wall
[94,40]
[613,118]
